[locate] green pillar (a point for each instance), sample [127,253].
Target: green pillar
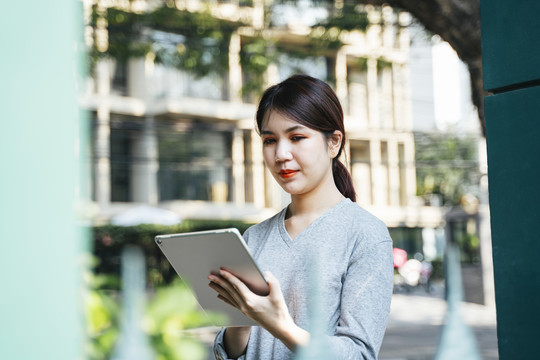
[511,58]
[40,244]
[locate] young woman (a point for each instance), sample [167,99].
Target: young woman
[300,121]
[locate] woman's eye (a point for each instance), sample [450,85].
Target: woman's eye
[268,141]
[297,138]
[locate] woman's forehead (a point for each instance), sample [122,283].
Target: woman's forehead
[277,120]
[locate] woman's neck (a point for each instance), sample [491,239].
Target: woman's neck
[314,205]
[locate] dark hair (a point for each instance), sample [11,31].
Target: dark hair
[312,103]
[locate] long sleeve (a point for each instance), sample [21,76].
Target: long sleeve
[365,299]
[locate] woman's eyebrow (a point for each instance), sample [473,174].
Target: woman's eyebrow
[266,132]
[291,129]
[294,128]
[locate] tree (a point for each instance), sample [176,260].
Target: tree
[455,21]
[198,42]
[446,166]
[458,23]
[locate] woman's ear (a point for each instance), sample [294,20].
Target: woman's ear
[334,142]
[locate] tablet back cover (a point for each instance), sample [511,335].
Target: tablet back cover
[194,255]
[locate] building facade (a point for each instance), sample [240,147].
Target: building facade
[165,137]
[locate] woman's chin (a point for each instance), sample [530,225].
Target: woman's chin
[293,190]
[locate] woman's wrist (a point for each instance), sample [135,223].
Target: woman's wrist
[292,335]
[239,329]
[235,340]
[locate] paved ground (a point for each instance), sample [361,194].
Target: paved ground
[416,321]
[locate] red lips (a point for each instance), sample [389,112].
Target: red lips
[287,173]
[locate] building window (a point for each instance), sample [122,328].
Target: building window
[119,83]
[195,162]
[124,132]
[358,98]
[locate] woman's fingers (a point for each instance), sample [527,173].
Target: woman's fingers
[235,282]
[214,285]
[220,290]
[223,284]
[236,292]
[265,310]
[228,301]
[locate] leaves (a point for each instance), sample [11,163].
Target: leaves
[349,17]
[446,165]
[102,317]
[255,57]
[173,310]
[196,42]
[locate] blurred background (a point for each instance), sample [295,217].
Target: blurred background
[166,143]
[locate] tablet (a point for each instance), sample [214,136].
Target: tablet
[196,255]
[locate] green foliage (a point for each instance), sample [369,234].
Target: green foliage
[193,41]
[170,314]
[383,64]
[437,272]
[101,314]
[255,57]
[172,311]
[326,35]
[124,35]
[446,165]
[465,234]
[469,245]
[350,17]
[205,45]
[198,43]
[362,62]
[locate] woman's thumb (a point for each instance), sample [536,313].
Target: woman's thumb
[273,282]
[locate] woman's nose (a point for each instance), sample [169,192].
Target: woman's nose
[283,152]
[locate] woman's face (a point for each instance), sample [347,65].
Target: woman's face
[299,158]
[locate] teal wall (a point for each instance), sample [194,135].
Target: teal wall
[40,243]
[510,43]
[511,65]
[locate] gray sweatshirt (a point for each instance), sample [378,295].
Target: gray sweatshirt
[354,254]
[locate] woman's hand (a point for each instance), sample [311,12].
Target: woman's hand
[269,311]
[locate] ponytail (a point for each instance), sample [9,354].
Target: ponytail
[343,180]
